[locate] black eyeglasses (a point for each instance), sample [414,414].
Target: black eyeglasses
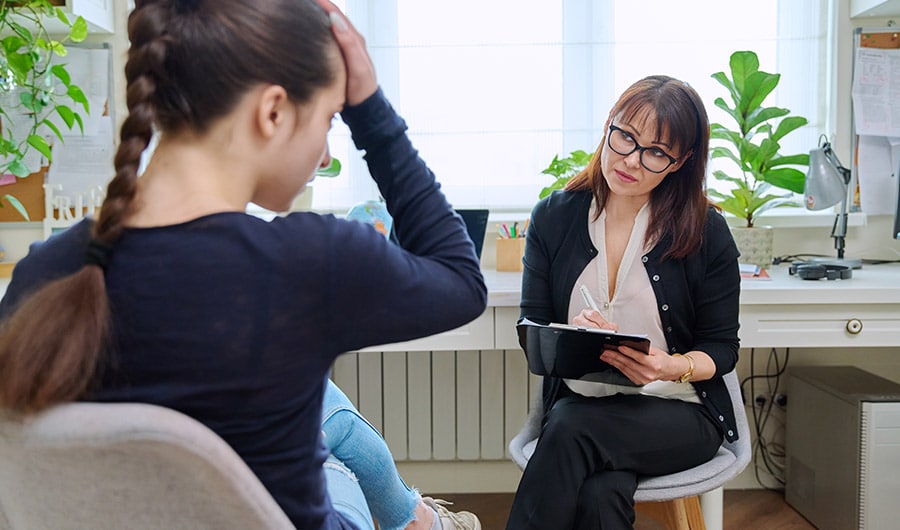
[654,159]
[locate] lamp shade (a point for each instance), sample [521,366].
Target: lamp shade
[824,185]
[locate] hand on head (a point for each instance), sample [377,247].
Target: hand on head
[361,82]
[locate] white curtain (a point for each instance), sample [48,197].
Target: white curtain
[493,89]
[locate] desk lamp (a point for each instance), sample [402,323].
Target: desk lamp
[827,183]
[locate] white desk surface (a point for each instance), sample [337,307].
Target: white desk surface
[870,284]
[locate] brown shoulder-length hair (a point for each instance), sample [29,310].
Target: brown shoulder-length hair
[679,203]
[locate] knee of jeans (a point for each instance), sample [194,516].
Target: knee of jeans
[340,424]
[333,463]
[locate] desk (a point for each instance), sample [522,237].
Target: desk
[450,433]
[863,311]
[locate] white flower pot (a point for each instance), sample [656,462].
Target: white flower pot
[755,244]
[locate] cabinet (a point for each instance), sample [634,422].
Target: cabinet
[863,311]
[97,13]
[874,8]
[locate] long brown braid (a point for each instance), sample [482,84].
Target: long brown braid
[189,62]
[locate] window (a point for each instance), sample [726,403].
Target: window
[493,89]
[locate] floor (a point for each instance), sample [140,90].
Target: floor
[744,509]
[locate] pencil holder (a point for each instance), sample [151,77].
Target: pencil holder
[509,254]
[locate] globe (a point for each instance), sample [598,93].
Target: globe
[374,213]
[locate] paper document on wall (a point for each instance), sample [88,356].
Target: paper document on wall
[876,92]
[82,163]
[877,173]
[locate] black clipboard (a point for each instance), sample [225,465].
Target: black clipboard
[572,352]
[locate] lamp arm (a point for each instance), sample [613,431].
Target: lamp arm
[839,230]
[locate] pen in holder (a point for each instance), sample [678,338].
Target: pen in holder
[509,254]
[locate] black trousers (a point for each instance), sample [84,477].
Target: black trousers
[591,452]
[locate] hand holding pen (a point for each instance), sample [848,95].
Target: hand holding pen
[591,316]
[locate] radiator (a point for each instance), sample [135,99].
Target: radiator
[440,405]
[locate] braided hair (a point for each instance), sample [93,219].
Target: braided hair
[189,63]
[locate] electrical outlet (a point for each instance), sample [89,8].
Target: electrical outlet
[760,400]
[781,400]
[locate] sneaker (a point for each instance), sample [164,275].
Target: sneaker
[452,520]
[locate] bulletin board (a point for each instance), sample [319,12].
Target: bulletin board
[30,192]
[883,38]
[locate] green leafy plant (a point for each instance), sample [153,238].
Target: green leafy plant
[754,145]
[35,89]
[563,169]
[333,169]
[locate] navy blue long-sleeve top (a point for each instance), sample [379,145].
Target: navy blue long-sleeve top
[235,321]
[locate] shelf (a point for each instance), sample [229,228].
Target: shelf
[97,13]
[874,8]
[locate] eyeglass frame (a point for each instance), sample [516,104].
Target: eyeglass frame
[638,147]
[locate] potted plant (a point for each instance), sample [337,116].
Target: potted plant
[36,91]
[562,169]
[303,201]
[753,145]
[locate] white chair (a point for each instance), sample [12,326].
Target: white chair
[679,490]
[112,466]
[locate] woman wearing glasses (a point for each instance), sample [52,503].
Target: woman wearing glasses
[636,230]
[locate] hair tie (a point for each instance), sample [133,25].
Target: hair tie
[98,254]
[185,6]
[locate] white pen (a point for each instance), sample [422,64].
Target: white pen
[586,294]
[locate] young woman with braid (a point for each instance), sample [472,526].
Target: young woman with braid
[175,296]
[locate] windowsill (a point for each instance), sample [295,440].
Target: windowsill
[794,219]
[798,218]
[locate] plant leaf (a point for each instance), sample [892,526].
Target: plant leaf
[17,205]
[38,142]
[80,122]
[78,96]
[59,71]
[333,169]
[79,30]
[786,178]
[787,125]
[796,160]
[61,16]
[742,64]
[759,86]
[11,44]
[67,115]
[764,114]
[52,126]
[18,168]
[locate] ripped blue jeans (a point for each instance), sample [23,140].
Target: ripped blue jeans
[360,460]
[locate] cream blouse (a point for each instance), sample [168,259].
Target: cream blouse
[633,308]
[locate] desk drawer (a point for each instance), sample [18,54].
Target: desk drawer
[812,325]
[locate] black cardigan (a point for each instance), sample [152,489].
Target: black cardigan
[698,296]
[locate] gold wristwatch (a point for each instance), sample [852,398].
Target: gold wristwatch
[685,377]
